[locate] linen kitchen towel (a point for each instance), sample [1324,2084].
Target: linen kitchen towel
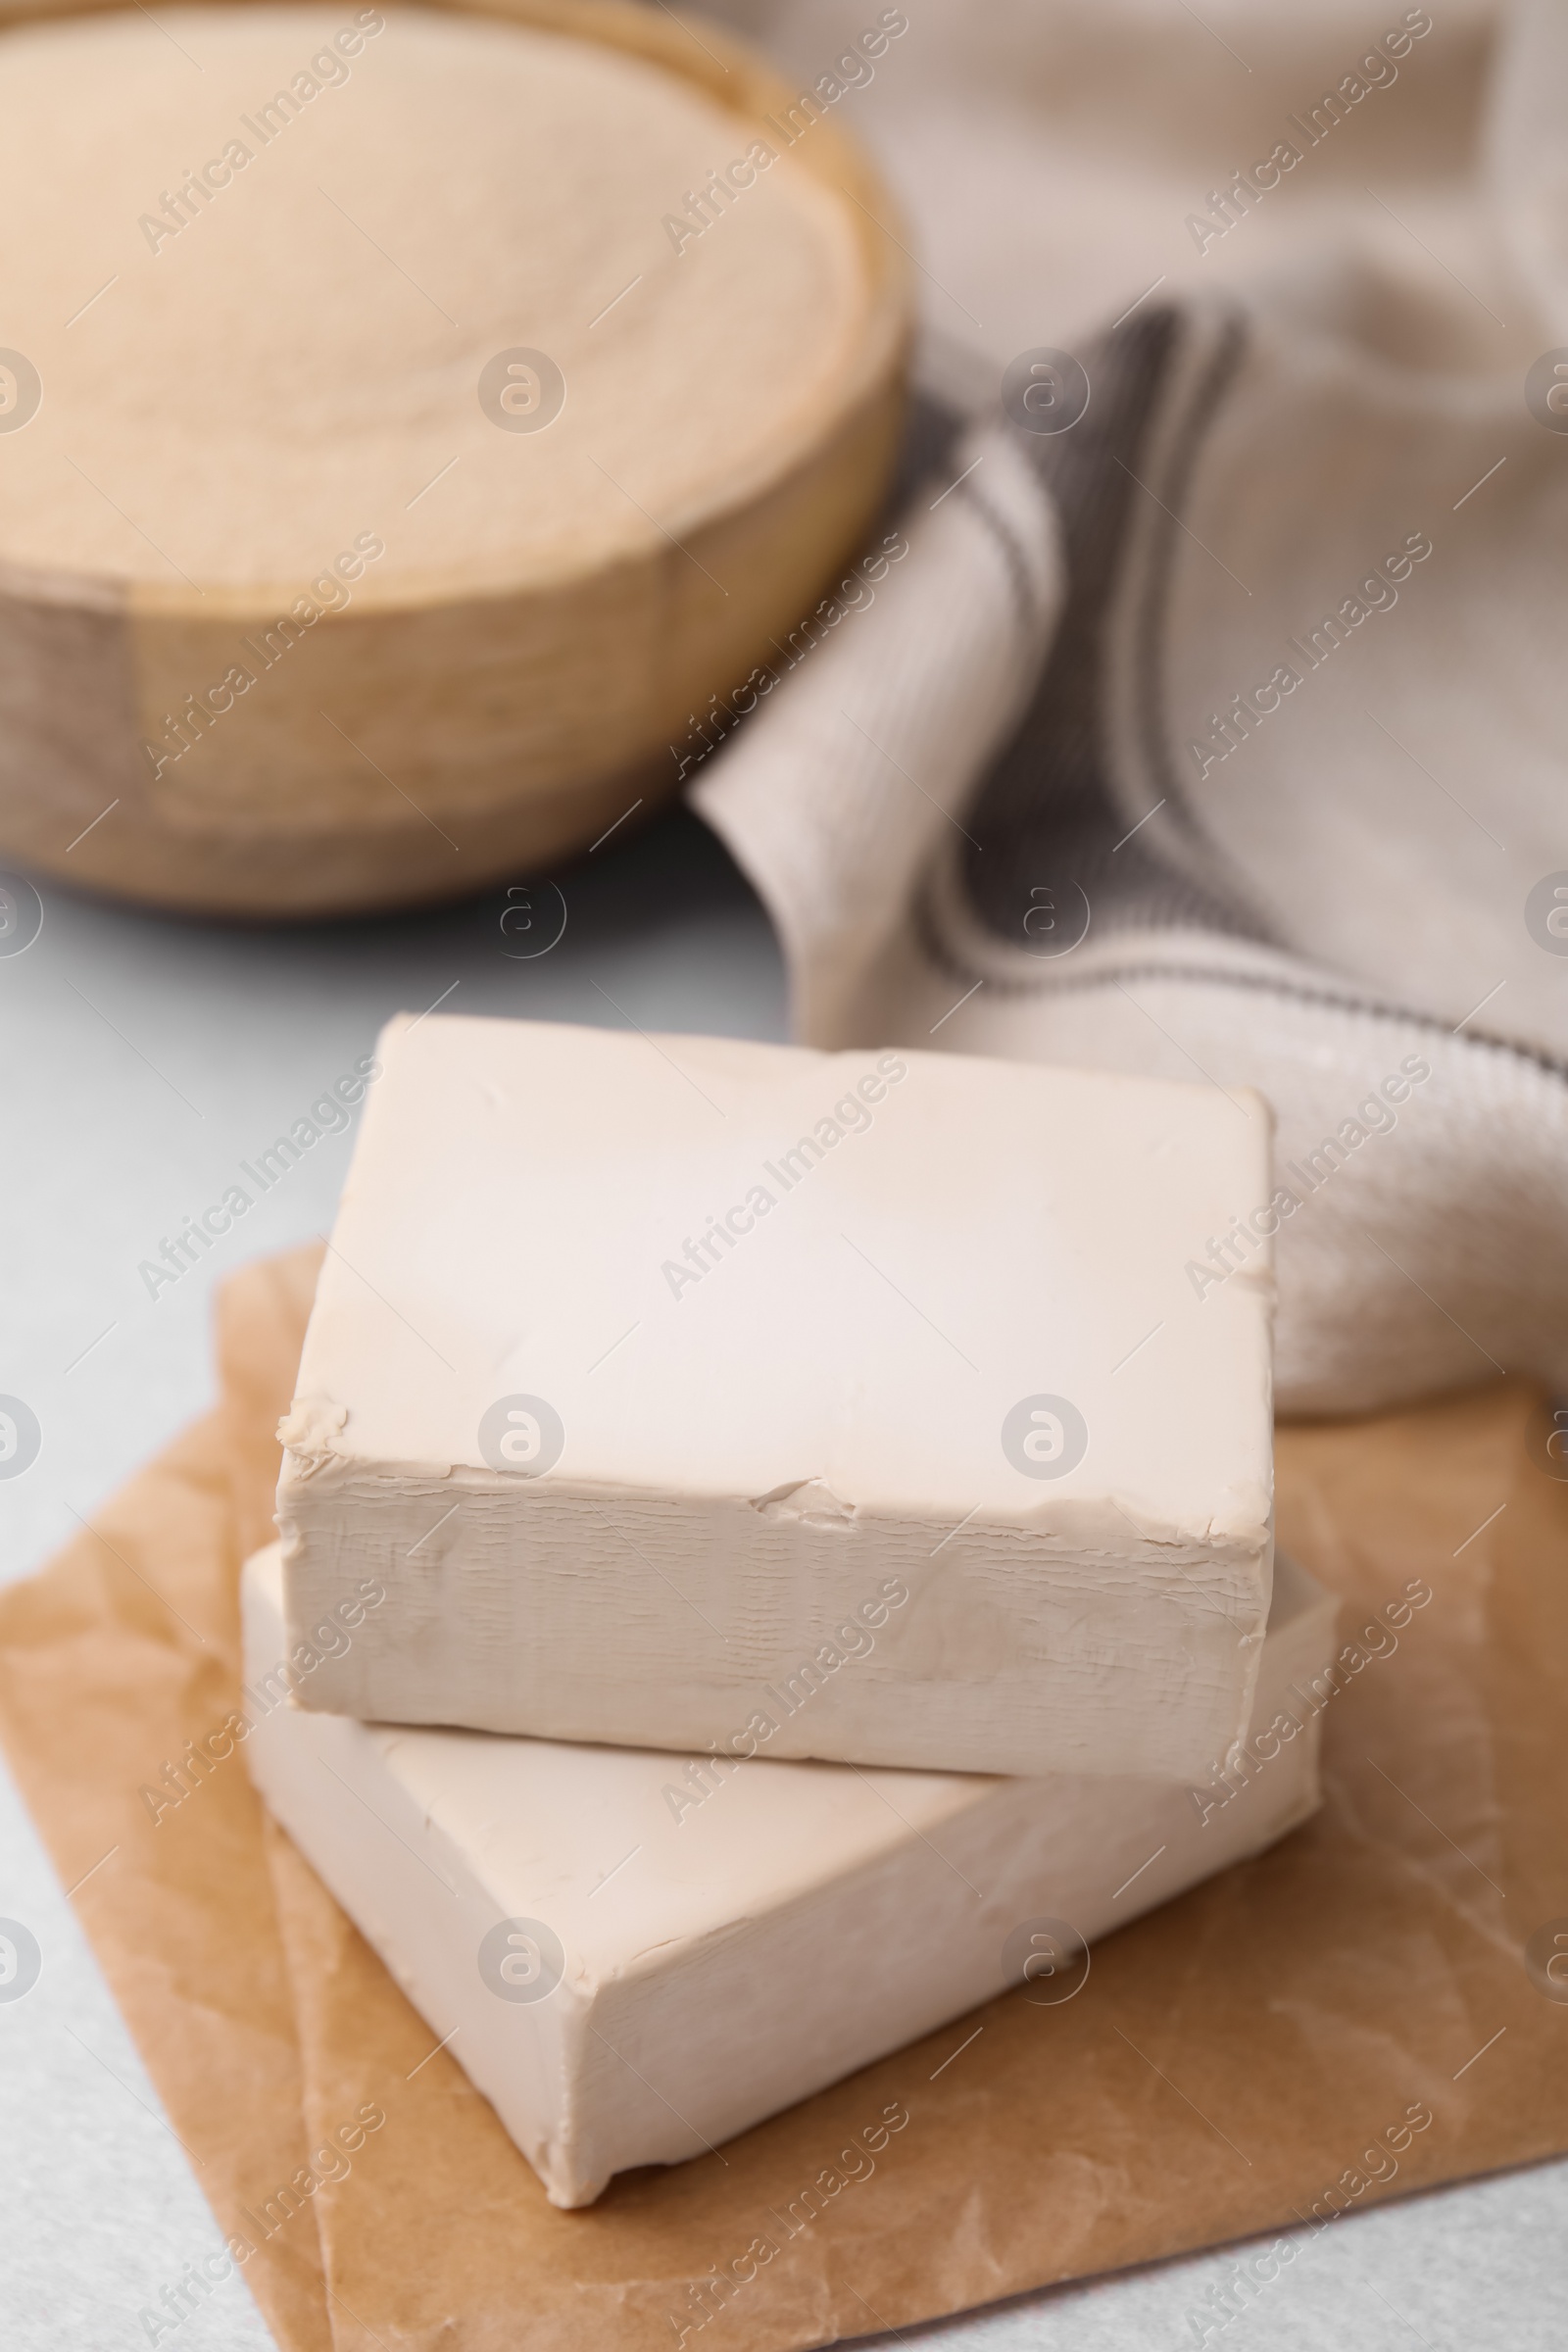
[1202,717]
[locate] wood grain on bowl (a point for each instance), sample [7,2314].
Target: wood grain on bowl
[309,668]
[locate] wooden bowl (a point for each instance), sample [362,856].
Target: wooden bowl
[441,733]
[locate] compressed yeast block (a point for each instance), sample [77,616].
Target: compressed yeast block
[641,1955]
[696,1393]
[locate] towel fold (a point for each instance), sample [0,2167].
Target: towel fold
[1216,733]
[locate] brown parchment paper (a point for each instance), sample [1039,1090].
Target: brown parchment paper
[1245,2057]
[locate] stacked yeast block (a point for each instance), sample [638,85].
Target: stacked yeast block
[685,1410]
[632,1976]
[696,1395]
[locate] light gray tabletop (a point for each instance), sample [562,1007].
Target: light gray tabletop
[140,1060]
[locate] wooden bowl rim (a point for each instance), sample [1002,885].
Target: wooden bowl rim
[736,76]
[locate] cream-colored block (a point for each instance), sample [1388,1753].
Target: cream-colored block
[688,1393]
[641,1955]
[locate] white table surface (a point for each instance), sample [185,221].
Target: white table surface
[139,1060]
